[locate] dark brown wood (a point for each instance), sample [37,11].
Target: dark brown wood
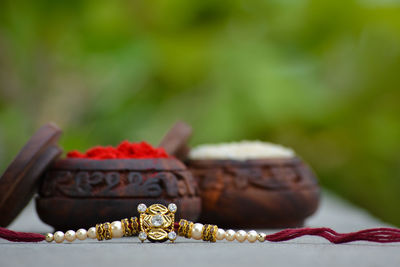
[82,192]
[174,142]
[19,181]
[265,193]
[157,164]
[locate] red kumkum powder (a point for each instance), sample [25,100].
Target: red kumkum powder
[125,150]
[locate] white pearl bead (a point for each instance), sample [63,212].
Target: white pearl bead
[70,235]
[241,235]
[230,235]
[197,231]
[92,232]
[252,236]
[220,234]
[116,229]
[59,237]
[81,234]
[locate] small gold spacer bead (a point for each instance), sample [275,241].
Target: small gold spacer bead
[182,227]
[99,231]
[134,225]
[261,237]
[49,237]
[189,230]
[107,231]
[206,232]
[213,234]
[125,229]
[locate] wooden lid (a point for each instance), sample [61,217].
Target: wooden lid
[175,141]
[19,181]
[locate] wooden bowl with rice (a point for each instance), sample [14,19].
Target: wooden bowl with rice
[252,184]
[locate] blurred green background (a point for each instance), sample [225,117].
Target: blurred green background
[319,76]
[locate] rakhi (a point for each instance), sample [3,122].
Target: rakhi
[156,223]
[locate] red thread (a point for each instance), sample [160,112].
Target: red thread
[125,150]
[380,235]
[20,236]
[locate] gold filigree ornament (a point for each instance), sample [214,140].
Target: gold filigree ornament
[157,222]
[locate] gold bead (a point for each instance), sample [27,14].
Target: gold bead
[182,227]
[205,231]
[130,226]
[185,228]
[49,237]
[107,231]
[99,231]
[125,227]
[261,237]
[208,233]
[213,233]
[134,225]
[188,231]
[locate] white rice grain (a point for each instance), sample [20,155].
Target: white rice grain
[243,150]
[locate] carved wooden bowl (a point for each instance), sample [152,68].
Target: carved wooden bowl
[78,193]
[265,193]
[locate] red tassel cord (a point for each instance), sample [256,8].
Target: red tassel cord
[20,236]
[379,235]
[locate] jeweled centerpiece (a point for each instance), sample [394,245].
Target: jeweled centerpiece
[156,223]
[157,220]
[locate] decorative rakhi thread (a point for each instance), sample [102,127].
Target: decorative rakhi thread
[156,223]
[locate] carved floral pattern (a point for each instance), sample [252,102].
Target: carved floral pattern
[263,176]
[118,184]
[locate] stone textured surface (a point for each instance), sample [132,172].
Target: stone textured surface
[305,251]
